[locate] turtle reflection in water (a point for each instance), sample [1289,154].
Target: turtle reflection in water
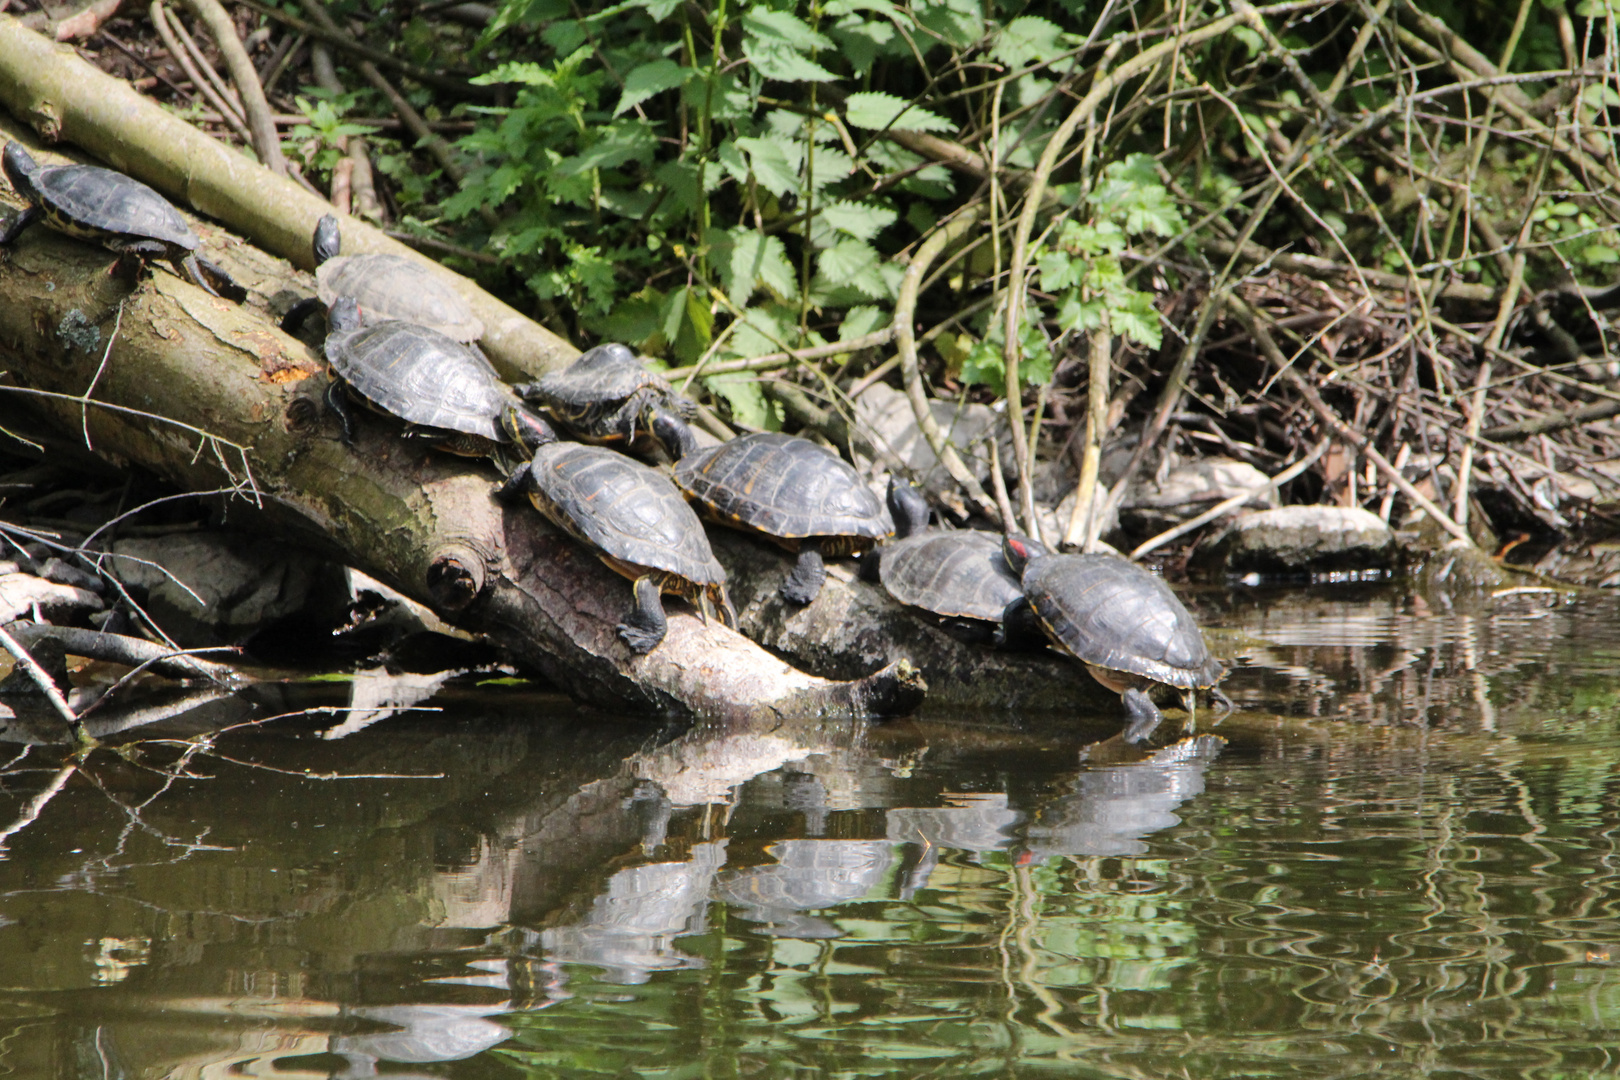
[113,210]
[636,522]
[1121,622]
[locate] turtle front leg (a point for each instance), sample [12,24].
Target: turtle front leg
[338,401]
[515,487]
[809,574]
[1020,629]
[646,625]
[29,215]
[1145,715]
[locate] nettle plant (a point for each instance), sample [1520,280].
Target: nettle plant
[712,181]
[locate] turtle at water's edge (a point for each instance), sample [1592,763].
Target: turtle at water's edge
[1120,621]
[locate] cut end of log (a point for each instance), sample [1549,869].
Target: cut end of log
[896,690]
[455,577]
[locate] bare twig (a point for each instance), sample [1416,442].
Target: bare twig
[266,143]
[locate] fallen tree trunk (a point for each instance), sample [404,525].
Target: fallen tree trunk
[65,99]
[215,399]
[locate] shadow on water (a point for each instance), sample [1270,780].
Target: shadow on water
[1399,856]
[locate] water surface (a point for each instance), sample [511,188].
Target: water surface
[1399,856]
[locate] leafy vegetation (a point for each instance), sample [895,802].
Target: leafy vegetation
[720,183]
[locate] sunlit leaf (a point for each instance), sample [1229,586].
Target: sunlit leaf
[649,79]
[880,112]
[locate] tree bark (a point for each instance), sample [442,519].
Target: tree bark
[66,99]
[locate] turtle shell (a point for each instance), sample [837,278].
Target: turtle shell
[628,512]
[589,394]
[394,287]
[99,204]
[786,488]
[959,573]
[420,376]
[1117,617]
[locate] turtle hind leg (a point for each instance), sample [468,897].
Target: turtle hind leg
[809,573]
[212,277]
[29,215]
[646,624]
[1144,715]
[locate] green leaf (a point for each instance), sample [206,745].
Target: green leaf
[860,321]
[768,159]
[860,220]
[757,333]
[749,407]
[879,112]
[649,79]
[1136,318]
[622,141]
[756,259]
[959,22]
[783,28]
[854,264]
[829,167]
[848,7]
[783,64]
[862,41]
[688,324]
[1025,40]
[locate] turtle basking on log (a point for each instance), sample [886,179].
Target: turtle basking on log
[1120,621]
[637,523]
[439,387]
[794,492]
[111,209]
[385,287]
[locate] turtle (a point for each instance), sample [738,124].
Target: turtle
[386,287]
[118,212]
[606,397]
[427,380]
[957,575]
[1120,621]
[786,488]
[636,521]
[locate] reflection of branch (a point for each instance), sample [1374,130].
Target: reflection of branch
[37,803]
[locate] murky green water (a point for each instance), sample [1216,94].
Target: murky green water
[1405,860]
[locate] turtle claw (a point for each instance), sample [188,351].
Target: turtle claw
[803,585]
[1145,716]
[646,626]
[640,640]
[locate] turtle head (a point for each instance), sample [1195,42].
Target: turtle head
[908,507]
[526,428]
[344,314]
[328,240]
[671,431]
[20,168]
[1019,551]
